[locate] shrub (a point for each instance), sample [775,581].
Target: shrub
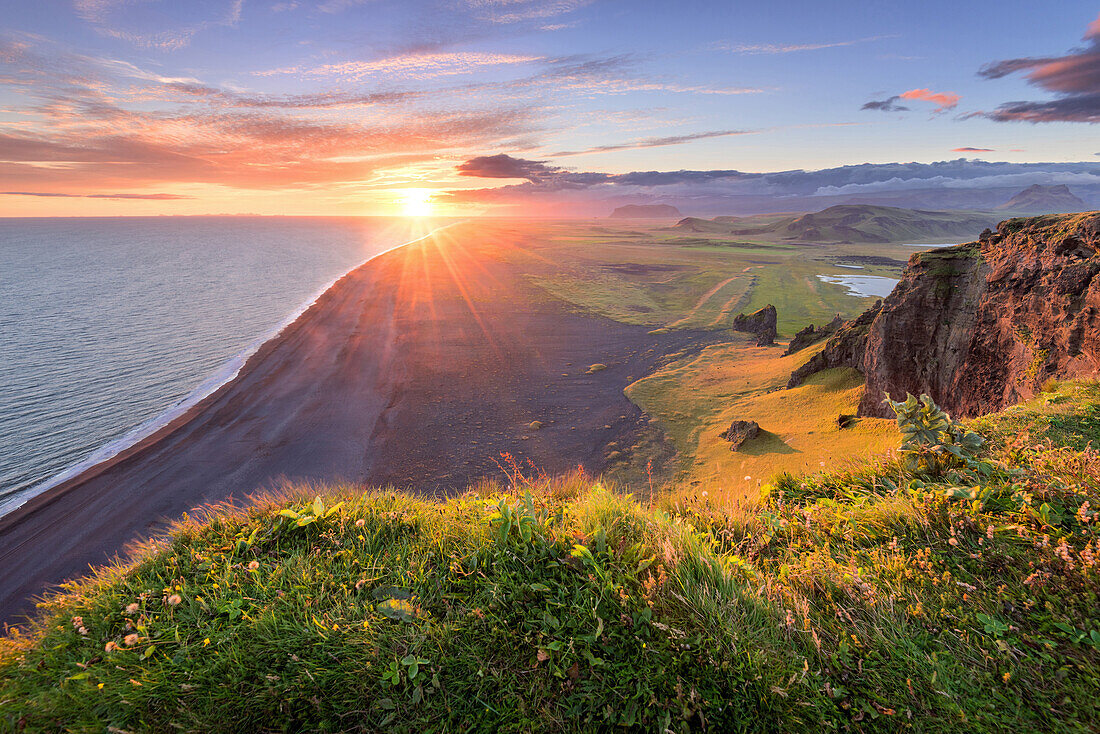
[932,443]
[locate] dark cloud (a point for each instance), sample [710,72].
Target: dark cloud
[1074,108]
[1074,78]
[886,105]
[505,166]
[151,197]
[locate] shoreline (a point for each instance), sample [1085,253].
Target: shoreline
[226,373]
[417,369]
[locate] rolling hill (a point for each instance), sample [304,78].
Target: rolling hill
[852,223]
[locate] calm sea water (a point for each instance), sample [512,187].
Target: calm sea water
[110,327]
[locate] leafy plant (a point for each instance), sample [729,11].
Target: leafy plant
[316,511]
[932,443]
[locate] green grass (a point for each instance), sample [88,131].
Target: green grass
[665,279]
[871,599]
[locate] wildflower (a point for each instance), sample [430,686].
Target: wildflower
[83,631]
[99,686]
[206,642]
[1063,552]
[253,565]
[174,600]
[131,639]
[133,608]
[360,523]
[1083,514]
[110,646]
[953,541]
[77,622]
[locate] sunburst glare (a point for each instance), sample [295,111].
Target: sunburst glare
[417,202]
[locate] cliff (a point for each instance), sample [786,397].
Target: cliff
[982,325]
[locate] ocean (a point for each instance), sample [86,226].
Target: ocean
[109,328]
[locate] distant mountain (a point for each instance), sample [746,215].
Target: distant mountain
[646,211]
[1044,200]
[864,223]
[695,224]
[851,223]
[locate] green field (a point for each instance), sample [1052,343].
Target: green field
[661,277]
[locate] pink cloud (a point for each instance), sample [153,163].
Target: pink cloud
[944,100]
[1074,78]
[968,149]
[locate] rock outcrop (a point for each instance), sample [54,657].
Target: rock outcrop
[739,432]
[810,336]
[982,325]
[762,323]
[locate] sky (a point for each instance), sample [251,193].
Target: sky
[360,107]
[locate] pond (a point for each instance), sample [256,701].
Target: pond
[863,285]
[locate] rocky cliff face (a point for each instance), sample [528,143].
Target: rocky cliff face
[762,323]
[981,326]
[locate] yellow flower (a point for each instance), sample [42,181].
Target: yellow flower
[99,686]
[206,642]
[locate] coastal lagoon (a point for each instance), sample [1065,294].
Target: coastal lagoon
[109,327]
[863,285]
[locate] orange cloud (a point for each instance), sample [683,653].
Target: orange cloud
[944,100]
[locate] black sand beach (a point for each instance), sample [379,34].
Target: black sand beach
[418,369]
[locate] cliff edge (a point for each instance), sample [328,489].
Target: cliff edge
[981,325]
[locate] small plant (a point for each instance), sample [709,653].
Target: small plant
[932,443]
[312,514]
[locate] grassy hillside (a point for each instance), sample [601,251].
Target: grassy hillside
[853,223]
[943,595]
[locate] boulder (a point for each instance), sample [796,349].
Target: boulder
[739,432]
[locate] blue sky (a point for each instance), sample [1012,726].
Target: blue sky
[150,106]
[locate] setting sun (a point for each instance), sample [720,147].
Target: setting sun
[416,203]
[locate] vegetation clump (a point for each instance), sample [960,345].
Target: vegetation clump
[952,588]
